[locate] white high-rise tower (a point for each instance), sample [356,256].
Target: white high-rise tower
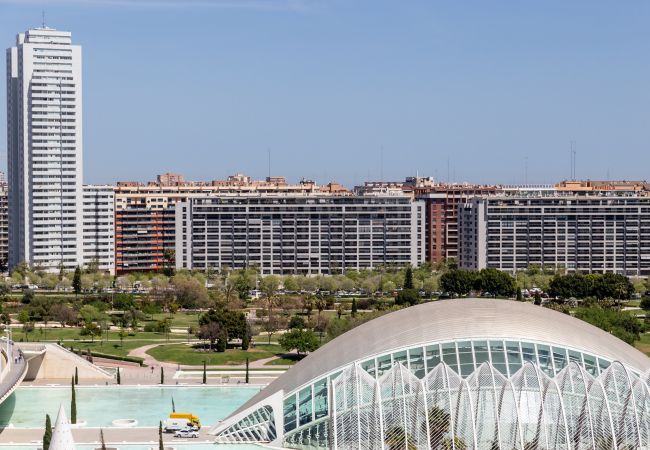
[44,132]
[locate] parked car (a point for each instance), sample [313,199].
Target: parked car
[186,433]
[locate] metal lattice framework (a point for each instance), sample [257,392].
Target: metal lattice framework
[528,411]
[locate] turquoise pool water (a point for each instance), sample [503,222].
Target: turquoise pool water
[99,406]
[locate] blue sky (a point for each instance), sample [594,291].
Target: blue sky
[207,87]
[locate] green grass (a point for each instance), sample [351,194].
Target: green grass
[644,344]
[184,354]
[180,319]
[72,334]
[282,362]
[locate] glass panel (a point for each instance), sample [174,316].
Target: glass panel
[416,361]
[335,375]
[433,357]
[400,357]
[369,366]
[290,413]
[449,355]
[514,356]
[465,357]
[481,353]
[498,356]
[320,398]
[528,352]
[545,361]
[602,365]
[590,364]
[575,357]
[383,364]
[560,358]
[304,406]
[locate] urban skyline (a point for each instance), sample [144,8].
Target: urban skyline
[383,121]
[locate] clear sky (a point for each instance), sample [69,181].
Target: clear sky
[206,87]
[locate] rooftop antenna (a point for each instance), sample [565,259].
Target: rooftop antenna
[381,163]
[447,169]
[572,159]
[269,158]
[43,17]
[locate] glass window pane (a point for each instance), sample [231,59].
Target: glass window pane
[399,357]
[498,356]
[433,356]
[481,353]
[320,399]
[590,364]
[416,361]
[304,406]
[528,352]
[369,366]
[560,358]
[575,357]
[449,355]
[383,364]
[545,361]
[514,356]
[290,413]
[602,365]
[465,357]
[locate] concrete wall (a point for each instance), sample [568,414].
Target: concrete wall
[53,362]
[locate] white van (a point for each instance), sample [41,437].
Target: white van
[172,425]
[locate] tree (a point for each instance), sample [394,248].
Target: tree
[645,303]
[496,282]
[76,375]
[189,291]
[301,340]
[169,259]
[408,279]
[353,311]
[91,329]
[162,375]
[271,325]
[28,297]
[211,332]
[296,322]
[101,438]
[47,436]
[119,379]
[63,314]
[73,405]
[246,370]
[520,297]
[621,324]
[269,287]
[407,297]
[205,374]
[457,281]
[76,281]
[161,446]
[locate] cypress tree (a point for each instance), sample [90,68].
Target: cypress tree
[119,380]
[76,375]
[173,405]
[73,405]
[162,376]
[205,375]
[161,446]
[47,436]
[520,298]
[246,370]
[76,281]
[408,278]
[101,438]
[354,307]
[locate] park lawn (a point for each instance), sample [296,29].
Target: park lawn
[184,354]
[109,348]
[644,344]
[282,362]
[180,319]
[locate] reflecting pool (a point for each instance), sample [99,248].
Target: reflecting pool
[99,406]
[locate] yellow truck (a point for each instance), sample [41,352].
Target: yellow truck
[189,417]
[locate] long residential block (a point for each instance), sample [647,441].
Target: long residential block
[300,234]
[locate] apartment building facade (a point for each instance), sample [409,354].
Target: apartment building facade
[587,232]
[44,151]
[300,234]
[99,227]
[4,222]
[145,217]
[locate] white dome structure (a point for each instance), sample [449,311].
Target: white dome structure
[62,434]
[458,374]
